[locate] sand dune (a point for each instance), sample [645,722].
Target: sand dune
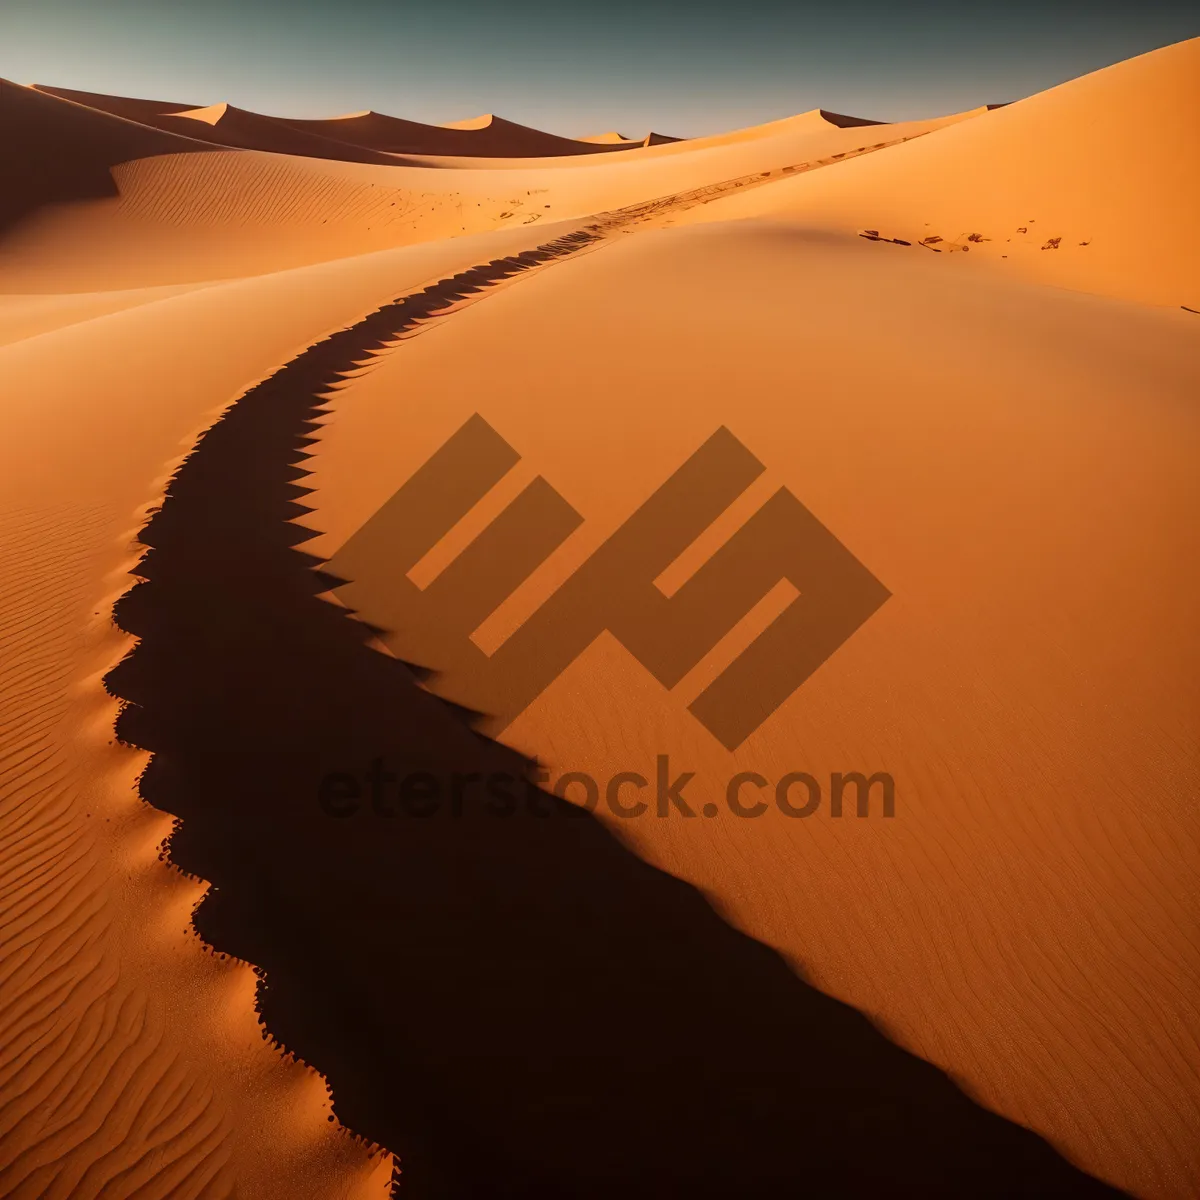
[228,339]
[618,139]
[481,137]
[844,122]
[612,138]
[27,316]
[187,218]
[1016,818]
[1089,185]
[809,124]
[225,125]
[119,106]
[55,151]
[133,1052]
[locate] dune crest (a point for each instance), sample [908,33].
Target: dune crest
[210,114]
[483,121]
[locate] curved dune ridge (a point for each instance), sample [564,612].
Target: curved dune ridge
[227,339]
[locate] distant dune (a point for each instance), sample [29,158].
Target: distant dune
[119,106]
[968,347]
[481,137]
[612,138]
[189,217]
[225,125]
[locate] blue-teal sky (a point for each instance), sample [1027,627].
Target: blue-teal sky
[579,68]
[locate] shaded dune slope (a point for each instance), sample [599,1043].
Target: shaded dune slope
[517,1006]
[129,107]
[842,121]
[54,150]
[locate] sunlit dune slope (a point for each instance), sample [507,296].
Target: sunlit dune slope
[809,124]
[1015,464]
[1090,185]
[23,316]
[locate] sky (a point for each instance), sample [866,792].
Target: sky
[577,68]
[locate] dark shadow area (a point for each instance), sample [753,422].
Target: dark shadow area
[518,1006]
[844,122]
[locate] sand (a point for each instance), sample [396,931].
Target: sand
[1004,442]
[1087,186]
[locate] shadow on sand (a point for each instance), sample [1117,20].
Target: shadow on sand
[516,1007]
